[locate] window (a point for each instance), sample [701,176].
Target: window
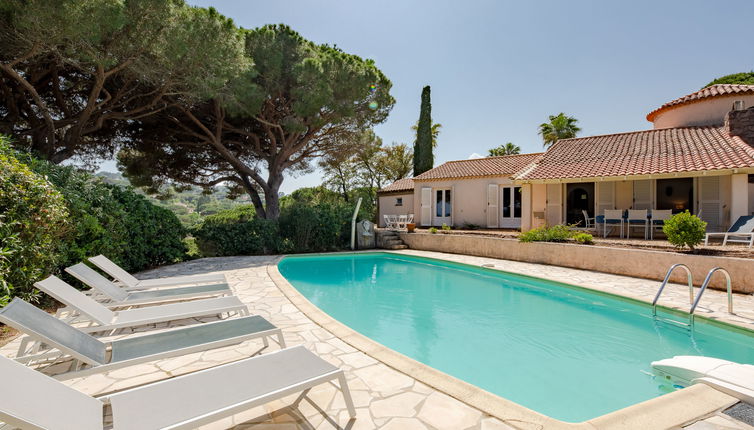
[399,201]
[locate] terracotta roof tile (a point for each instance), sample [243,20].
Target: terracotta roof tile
[506,165]
[704,93]
[667,150]
[404,184]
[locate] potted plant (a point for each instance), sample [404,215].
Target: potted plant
[410,227]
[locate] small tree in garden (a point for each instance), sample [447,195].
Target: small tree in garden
[684,229]
[423,157]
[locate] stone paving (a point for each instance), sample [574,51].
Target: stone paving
[385,398]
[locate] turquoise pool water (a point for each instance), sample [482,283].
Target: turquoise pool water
[565,352]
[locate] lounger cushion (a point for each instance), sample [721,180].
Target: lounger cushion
[178,292]
[172,340]
[216,391]
[173,311]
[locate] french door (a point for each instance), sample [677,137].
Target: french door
[443,207]
[510,207]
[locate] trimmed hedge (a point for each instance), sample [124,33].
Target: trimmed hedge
[302,227]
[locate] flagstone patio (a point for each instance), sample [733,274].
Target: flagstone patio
[385,398]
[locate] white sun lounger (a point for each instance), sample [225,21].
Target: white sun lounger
[184,402]
[120,297]
[131,282]
[109,320]
[98,357]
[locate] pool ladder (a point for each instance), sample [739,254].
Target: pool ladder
[694,302]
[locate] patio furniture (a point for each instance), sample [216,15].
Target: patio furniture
[410,218]
[107,320]
[391,221]
[402,221]
[131,282]
[97,357]
[613,217]
[742,231]
[34,400]
[588,222]
[119,297]
[659,216]
[637,218]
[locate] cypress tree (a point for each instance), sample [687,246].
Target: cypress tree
[423,157]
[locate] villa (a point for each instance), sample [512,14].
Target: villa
[698,157]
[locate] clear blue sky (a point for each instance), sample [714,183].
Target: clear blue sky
[498,68]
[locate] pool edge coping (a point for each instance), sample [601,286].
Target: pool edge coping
[670,410]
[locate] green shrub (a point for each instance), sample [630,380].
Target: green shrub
[433,230]
[583,238]
[684,229]
[236,232]
[556,233]
[34,219]
[316,228]
[445,227]
[471,226]
[114,221]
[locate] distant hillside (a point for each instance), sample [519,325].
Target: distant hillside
[190,206]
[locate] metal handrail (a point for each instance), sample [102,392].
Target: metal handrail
[665,282]
[704,287]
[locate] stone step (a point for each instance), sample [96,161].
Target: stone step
[393,247]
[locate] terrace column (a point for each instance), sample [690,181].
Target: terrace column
[739,196]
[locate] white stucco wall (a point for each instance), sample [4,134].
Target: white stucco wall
[469,198]
[387,206]
[706,112]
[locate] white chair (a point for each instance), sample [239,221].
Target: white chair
[391,221]
[130,282]
[92,356]
[401,223]
[119,297]
[742,231]
[659,216]
[32,400]
[410,219]
[637,218]
[588,222]
[612,217]
[107,320]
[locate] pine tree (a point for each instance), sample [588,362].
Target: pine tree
[423,157]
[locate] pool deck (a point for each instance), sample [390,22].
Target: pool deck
[390,399]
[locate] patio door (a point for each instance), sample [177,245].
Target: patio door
[443,207]
[510,208]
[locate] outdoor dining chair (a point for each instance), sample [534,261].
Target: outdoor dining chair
[92,356]
[107,320]
[588,221]
[402,220]
[183,402]
[391,221]
[659,216]
[742,231]
[119,297]
[131,282]
[613,217]
[637,218]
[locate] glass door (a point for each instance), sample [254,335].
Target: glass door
[510,207]
[443,207]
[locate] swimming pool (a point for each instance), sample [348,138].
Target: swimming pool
[566,352]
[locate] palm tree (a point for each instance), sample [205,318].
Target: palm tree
[435,132]
[507,149]
[559,127]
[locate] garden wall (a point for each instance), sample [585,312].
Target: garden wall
[619,261]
